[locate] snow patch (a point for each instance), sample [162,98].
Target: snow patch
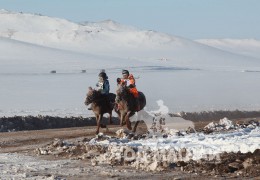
[224,123]
[158,153]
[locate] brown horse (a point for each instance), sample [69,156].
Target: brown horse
[127,105]
[100,104]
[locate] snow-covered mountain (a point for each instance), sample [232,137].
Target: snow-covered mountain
[23,57]
[112,39]
[247,47]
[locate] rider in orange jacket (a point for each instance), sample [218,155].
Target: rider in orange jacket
[129,80]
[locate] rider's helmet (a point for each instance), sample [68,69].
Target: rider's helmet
[125,72]
[103,75]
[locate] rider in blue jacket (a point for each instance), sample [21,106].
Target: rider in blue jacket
[103,85]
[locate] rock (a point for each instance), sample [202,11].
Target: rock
[43,151]
[94,162]
[37,151]
[153,166]
[183,152]
[190,130]
[223,124]
[239,173]
[177,178]
[181,163]
[179,133]
[130,135]
[121,134]
[100,135]
[226,123]
[211,126]
[57,143]
[247,163]
[165,164]
[235,166]
[250,126]
[165,135]
[182,169]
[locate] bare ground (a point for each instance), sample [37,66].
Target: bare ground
[19,160]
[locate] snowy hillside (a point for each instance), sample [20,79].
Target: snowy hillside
[247,47]
[22,57]
[113,39]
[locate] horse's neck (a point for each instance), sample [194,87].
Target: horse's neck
[97,95]
[97,100]
[128,98]
[126,94]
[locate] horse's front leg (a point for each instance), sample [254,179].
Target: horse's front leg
[98,118]
[110,118]
[127,120]
[122,116]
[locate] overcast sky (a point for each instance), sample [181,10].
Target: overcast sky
[193,19]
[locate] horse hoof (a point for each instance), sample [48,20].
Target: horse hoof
[130,135]
[129,126]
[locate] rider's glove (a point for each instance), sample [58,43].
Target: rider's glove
[118,80]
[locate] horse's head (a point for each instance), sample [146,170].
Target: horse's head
[91,96]
[122,91]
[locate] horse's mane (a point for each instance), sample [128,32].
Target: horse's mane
[124,93]
[94,96]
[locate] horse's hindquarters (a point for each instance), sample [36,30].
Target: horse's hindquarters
[142,100]
[112,97]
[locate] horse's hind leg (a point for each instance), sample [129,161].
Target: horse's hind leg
[110,121]
[128,123]
[110,118]
[136,124]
